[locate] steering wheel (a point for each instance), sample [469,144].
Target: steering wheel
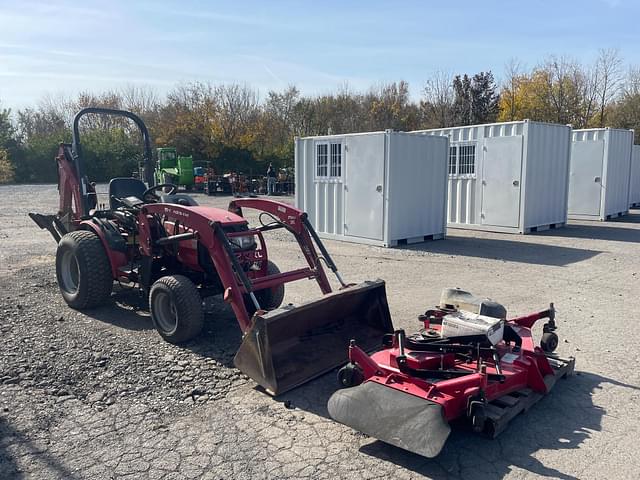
[149,194]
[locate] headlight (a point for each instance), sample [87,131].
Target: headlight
[244,242]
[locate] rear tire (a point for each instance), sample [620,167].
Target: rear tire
[176,308]
[83,270]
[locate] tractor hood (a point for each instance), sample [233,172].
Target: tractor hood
[212,214]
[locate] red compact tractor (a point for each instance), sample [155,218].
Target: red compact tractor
[178,252]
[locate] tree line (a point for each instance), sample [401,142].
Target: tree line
[229,127]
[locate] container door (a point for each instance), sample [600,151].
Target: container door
[501,177]
[585,179]
[364,190]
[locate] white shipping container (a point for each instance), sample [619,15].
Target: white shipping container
[600,171]
[380,188]
[634,185]
[507,177]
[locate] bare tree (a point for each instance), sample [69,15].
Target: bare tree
[437,102]
[238,106]
[510,85]
[139,99]
[610,77]
[632,82]
[562,93]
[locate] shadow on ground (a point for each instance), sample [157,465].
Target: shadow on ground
[8,467]
[561,421]
[632,217]
[126,310]
[609,231]
[506,250]
[220,338]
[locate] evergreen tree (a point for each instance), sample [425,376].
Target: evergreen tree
[484,99]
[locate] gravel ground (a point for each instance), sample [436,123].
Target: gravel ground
[100,395]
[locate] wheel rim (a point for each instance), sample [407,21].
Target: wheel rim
[69,272]
[165,312]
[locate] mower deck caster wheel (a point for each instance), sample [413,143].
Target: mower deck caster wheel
[549,342]
[478,419]
[350,375]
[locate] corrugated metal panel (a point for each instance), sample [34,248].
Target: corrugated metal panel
[548,154]
[615,175]
[461,205]
[417,190]
[618,170]
[634,185]
[545,162]
[408,172]
[322,200]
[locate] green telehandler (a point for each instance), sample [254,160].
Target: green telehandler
[171,168]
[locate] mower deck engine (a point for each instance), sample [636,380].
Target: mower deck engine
[468,363]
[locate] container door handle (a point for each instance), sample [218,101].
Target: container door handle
[597,179]
[516,183]
[379,189]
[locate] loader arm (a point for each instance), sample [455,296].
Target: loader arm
[296,222]
[215,240]
[287,347]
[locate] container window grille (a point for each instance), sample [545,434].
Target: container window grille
[453,160]
[336,160]
[462,160]
[322,159]
[466,159]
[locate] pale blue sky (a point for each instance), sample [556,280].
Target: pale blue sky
[68,46]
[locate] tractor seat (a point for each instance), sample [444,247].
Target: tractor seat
[123,187]
[179,199]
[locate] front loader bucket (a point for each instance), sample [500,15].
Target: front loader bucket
[393,416]
[292,345]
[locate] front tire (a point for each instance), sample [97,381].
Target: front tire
[176,308]
[271,298]
[83,270]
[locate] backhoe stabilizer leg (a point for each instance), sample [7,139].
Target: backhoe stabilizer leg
[49,223]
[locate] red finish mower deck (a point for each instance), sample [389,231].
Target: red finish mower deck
[407,393]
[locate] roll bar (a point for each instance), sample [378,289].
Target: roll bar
[76,147]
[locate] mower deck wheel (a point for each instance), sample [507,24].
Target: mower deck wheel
[350,375]
[478,418]
[176,308]
[83,270]
[549,342]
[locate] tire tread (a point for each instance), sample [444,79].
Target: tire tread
[99,279]
[189,305]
